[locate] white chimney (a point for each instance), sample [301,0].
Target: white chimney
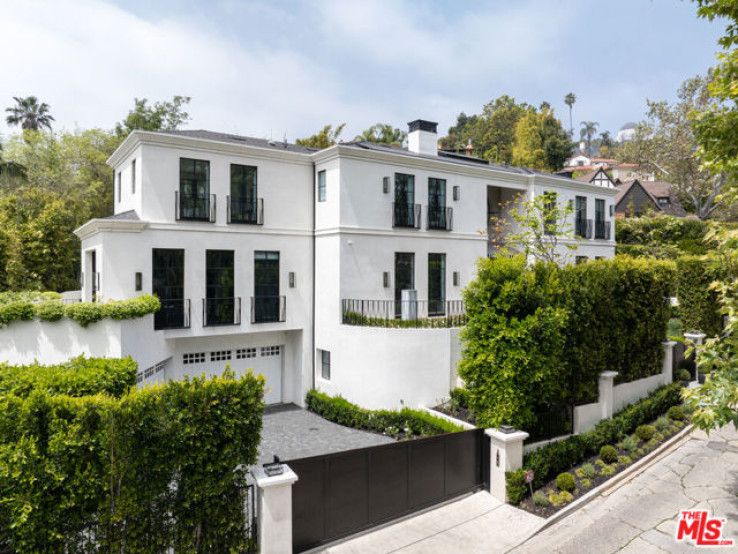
[422,137]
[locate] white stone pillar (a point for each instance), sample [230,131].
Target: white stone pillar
[274,510]
[667,370]
[696,337]
[607,393]
[506,455]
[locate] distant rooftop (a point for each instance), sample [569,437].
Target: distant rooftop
[238,139]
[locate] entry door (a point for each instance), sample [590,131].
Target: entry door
[436,284]
[404,277]
[266,287]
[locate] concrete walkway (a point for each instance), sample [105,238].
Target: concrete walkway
[640,517]
[291,432]
[477,523]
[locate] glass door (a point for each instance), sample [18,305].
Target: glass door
[404,277]
[220,304]
[436,284]
[168,285]
[436,203]
[266,287]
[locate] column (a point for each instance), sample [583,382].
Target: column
[274,510]
[667,372]
[506,455]
[607,394]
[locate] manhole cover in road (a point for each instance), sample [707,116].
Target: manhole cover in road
[313,428]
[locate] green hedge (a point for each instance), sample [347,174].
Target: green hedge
[83,313]
[78,377]
[541,335]
[341,411]
[665,237]
[157,469]
[557,457]
[698,305]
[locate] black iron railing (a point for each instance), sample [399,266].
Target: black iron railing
[583,228]
[406,215]
[412,313]
[174,314]
[602,229]
[245,210]
[194,207]
[221,311]
[268,309]
[440,217]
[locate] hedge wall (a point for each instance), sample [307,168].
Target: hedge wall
[542,335]
[412,422]
[698,305]
[665,237]
[157,469]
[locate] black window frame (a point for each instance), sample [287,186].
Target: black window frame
[325,365]
[220,285]
[267,299]
[399,274]
[437,305]
[168,284]
[243,201]
[322,186]
[194,204]
[437,202]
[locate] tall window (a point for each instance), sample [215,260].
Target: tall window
[267,302]
[243,199]
[133,177]
[600,224]
[325,365]
[167,272]
[436,284]
[404,215]
[404,278]
[321,186]
[580,220]
[549,212]
[436,203]
[220,304]
[194,189]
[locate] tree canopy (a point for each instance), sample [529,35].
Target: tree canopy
[326,137]
[159,116]
[29,114]
[383,133]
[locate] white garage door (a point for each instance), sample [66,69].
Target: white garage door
[268,362]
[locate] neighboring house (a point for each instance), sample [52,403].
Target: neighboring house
[597,177]
[640,197]
[277,257]
[580,162]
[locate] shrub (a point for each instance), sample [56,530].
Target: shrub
[588,471]
[53,310]
[662,423]
[675,413]
[562,498]
[683,375]
[645,432]
[16,311]
[658,437]
[608,454]
[539,499]
[698,302]
[625,460]
[640,452]
[516,488]
[460,397]
[600,463]
[586,483]
[566,482]
[343,412]
[653,443]
[630,443]
[608,470]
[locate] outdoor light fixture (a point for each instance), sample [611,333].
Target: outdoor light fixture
[507,429]
[612,209]
[292,279]
[457,193]
[138,281]
[386,185]
[457,278]
[386,279]
[274,468]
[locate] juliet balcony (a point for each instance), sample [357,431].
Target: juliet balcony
[174,314]
[406,215]
[440,218]
[422,314]
[194,207]
[245,210]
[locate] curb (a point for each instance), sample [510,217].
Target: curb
[611,485]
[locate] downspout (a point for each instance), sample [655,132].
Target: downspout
[312,346]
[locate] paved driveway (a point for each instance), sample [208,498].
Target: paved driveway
[640,517]
[291,432]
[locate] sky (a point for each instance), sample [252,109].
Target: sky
[277,69]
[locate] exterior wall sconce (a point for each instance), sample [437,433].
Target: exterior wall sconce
[386,279]
[386,185]
[457,193]
[139,281]
[612,210]
[457,278]
[292,279]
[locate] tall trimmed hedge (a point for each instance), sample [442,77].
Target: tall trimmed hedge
[542,334]
[157,469]
[698,305]
[664,237]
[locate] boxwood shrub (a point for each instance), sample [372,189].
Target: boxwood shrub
[698,303]
[341,411]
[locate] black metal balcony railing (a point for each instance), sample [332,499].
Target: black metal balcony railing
[221,311]
[194,207]
[602,230]
[406,215]
[174,314]
[245,210]
[583,228]
[440,217]
[268,309]
[423,314]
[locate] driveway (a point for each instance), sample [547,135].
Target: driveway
[641,516]
[291,432]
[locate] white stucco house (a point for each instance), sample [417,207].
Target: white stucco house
[288,259]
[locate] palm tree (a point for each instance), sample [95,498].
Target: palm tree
[383,133]
[589,128]
[29,114]
[569,100]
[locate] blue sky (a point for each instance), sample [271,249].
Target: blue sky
[271,68]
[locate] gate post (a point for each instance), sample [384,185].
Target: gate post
[506,455]
[607,394]
[667,371]
[274,509]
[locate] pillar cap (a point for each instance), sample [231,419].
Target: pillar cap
[515,436]
[669,343]
[694,336]
[263,481]
[608,374]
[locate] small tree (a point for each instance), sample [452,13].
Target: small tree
[325,138]
[540,228]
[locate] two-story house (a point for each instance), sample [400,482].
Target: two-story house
[340,269]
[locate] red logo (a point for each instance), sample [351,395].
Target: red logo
[701,528]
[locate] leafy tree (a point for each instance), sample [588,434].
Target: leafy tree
[383,133]
[569,100]
[540,141]
[159,116]
[528,144]
[588,130]
[324,138]
[29,114]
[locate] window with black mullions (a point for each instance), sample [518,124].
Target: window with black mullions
[600,225]
[436,284]
[580,221]
[244,205]
[194,189]
[436,203]
[220,304]
[168,285]
[404,200]
[404,277]
[266,287]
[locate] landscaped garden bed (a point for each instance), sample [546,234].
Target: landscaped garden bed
[457,406]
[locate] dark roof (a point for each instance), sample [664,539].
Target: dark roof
[589,177]
[130,215]
[655,190]
[238,139]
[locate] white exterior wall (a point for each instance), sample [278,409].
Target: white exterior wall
[128,199]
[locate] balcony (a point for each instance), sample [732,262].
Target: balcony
[174,314]
[583,228]
[440,217]
[221,311]
[245,210]
[602,230]
[406,215]
[268,309]
[194,207]
[420,314]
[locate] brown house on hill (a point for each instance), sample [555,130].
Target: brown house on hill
[640,197]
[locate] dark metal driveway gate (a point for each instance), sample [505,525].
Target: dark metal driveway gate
[339,494]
